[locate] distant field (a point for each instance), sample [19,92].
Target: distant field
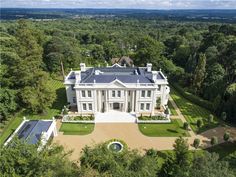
[193,112]
[173,129]
[76,128]
[56,108]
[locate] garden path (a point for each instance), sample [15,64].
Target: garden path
[180,116]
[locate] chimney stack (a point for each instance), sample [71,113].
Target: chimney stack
[154,75]
[82,67]
[77,76]
[149,67]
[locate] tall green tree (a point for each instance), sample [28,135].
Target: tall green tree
[209,165]
[199,73]
[21,159]
[7,103]
[37,98]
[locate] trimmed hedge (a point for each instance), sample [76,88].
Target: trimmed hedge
[193,98]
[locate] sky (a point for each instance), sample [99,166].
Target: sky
[130,4]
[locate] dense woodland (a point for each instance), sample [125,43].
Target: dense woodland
[199,56]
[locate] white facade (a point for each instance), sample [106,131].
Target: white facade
[105,89]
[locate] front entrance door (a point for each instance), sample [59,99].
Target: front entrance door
[116,106]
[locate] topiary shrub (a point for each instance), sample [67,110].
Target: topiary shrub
[226,136]
[210,118]
[185,125]
[199,123]
[196,143]
[214,140]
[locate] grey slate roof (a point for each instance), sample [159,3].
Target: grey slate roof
[31,131]
[124,74]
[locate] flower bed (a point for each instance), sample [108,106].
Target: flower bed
[78,119]
[154,119]
[84,117]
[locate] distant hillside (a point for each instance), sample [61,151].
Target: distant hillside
[181,15]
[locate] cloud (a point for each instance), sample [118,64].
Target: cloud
[140,4]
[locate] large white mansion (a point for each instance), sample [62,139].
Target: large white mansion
[121,88]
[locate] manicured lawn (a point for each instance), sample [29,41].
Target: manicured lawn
[193,112]
[173,129]
[58,87]
[10,128]
[227,152]
[76,128]
[172,109]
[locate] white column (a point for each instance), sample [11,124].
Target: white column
[78,102]
[154,97]
[106,102]
[125,102]
[99,101]
[136,101]
[95,101]
[133,101]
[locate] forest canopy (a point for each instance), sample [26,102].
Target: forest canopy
[199,56]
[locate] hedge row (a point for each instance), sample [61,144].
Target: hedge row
[195,99]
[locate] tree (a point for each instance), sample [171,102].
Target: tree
[40,96]
[181,151]
[199,123]
[214,140]
[177,165]
[199,73]
[30,53]
[196,143]
[21,159]
[148,50]
[125,163]
[7,103]
[111,50]
[209,165]
[226,136]
[185,125]
[213,84]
